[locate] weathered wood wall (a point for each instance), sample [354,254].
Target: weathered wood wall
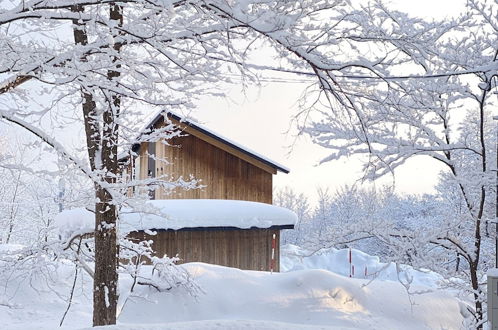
[240,248]
[224,175]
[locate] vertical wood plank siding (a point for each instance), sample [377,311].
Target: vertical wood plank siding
[223,175]
[245,248]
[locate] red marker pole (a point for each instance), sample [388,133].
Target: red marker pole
[273,244]
[350,263]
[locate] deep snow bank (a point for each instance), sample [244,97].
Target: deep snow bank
[365,266]
[220,324]
[232,299]
[307,297]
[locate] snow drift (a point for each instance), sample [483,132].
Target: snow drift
[301,299]
[366,266]
[306,297]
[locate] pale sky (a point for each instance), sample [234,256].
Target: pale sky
[261,118]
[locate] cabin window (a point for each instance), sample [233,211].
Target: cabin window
[151,168]
[151,165]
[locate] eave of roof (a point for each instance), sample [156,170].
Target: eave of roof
[208,214]
[221,228]
[218,137]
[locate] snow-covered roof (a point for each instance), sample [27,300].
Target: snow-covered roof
[209,132]
[205,213]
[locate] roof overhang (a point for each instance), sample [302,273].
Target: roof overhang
[219,141]
[205,214]
[224,228]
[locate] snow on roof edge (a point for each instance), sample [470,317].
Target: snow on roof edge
[232,143]
[216,135]
[176,214]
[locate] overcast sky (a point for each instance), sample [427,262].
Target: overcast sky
[260,117]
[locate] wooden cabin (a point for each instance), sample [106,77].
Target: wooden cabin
[227,171]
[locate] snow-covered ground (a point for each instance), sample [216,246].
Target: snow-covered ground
[365,266]
[236,299]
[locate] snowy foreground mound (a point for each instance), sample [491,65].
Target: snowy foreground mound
[235,299]
[307,297]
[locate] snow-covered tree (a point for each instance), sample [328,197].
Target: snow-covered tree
[288,198]
[436,101]
[344,218]
[103,63]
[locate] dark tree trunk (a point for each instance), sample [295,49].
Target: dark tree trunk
[105,295]
[477,295]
